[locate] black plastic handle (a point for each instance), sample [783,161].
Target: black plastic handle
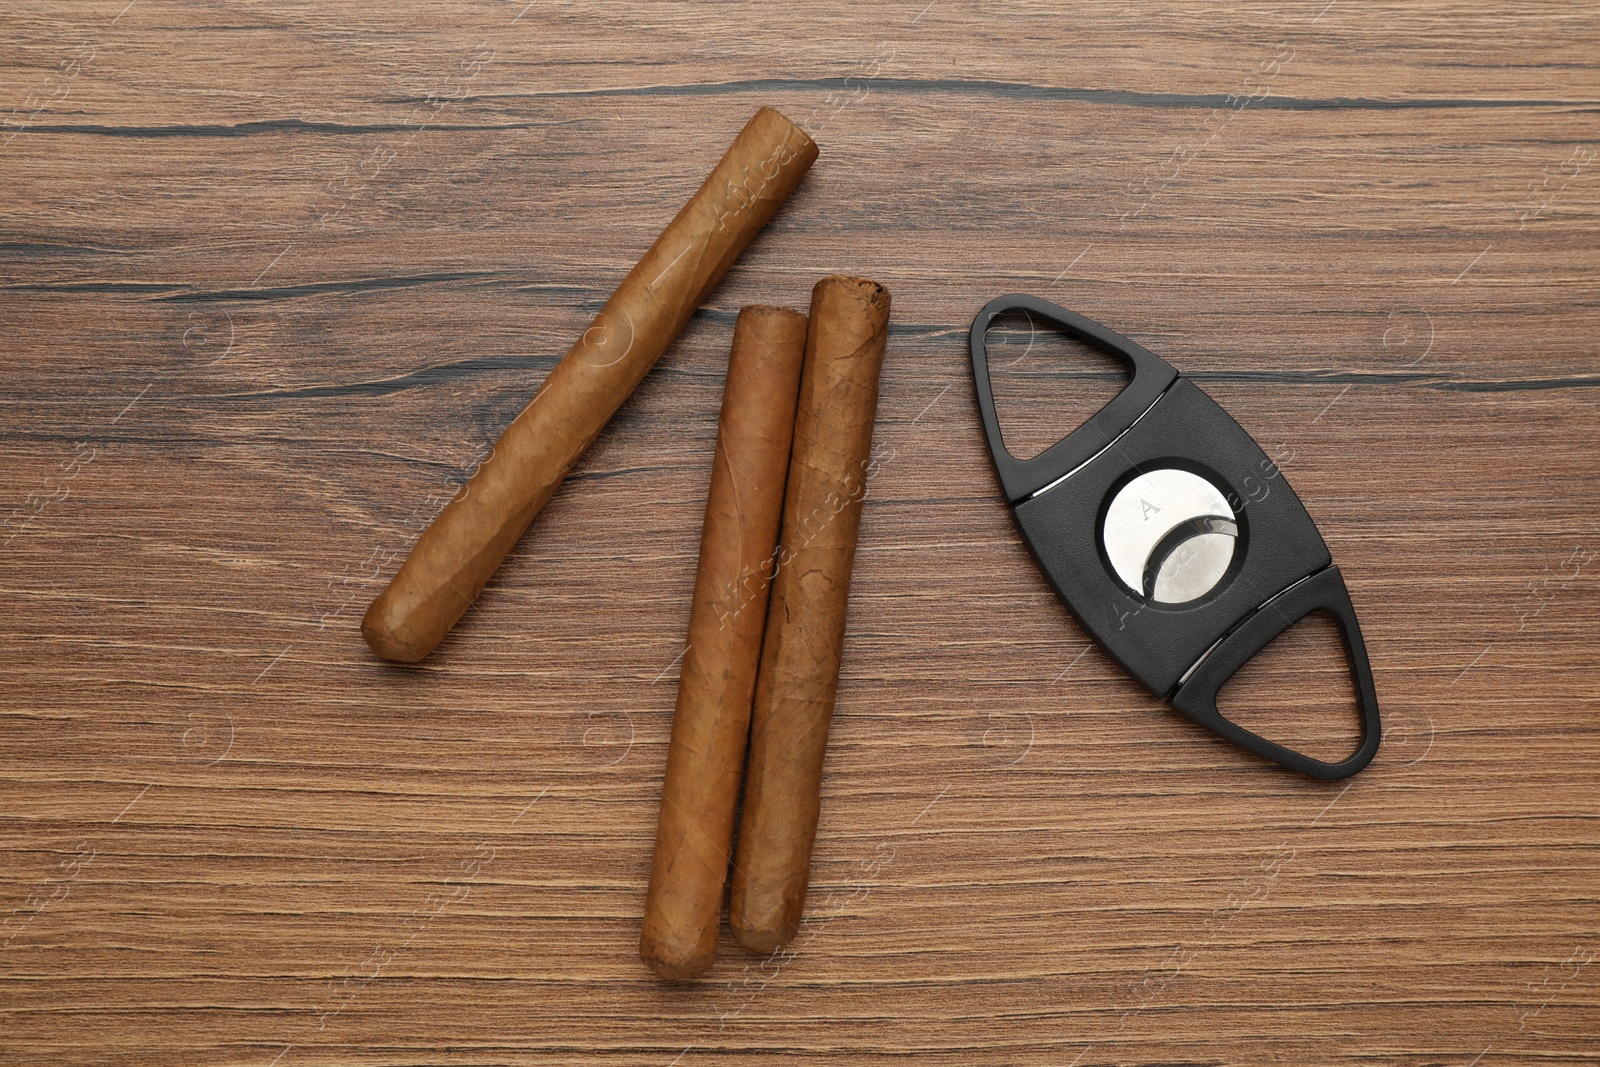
[1323,591]
[1151,375]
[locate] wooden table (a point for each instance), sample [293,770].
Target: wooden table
[275,277]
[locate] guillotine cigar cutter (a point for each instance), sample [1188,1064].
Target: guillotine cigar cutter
[1172,537]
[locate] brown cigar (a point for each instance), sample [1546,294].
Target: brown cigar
[805,623]
[712,721]
[455,556]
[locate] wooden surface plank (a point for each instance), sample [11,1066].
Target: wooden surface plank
[274,278]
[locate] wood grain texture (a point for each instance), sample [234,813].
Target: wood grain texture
[276,276]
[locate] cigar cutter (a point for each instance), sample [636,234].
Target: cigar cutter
[1172,537]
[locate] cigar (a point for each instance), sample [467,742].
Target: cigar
[712,722]
[455,556]
[805,621]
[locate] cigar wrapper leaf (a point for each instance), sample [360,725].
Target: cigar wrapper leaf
[710,725]
[455,557]
[804,638]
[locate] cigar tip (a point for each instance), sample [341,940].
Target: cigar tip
[762,924]
[383,635]
[678,970]
[810,146]
[675,963]
[764,939]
